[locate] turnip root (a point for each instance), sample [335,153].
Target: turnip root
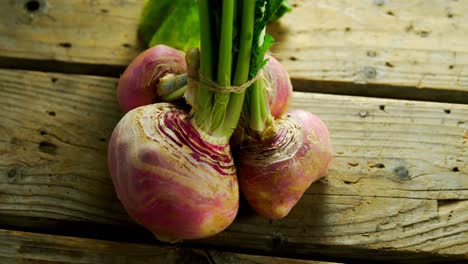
[280,156]
[138,85]
[274,172]
[171,178]
[173,169]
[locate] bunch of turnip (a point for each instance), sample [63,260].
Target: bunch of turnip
[172,163]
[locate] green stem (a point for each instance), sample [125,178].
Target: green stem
[204,97]
[264,105]
[171,83]
[257,123]
[175,95]
[241,74]
[221,100]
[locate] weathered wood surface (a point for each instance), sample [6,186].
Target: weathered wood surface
[402,49]
[418,43]
[398,185]
[219,257]
[26,247]
[95,32]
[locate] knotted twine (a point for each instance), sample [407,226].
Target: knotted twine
[197,80]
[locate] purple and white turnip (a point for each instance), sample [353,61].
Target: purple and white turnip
[172,165]
[140,82]
[171,178]
[275,171]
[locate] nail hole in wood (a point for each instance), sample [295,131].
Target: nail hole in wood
[388,64]
[447,111]
[455,169]
[53,79]
[48,147]
[382,107]
[66,45]
[390,13]
[451,67]
[32,6]
[51,113]
[293,58]
[377,165]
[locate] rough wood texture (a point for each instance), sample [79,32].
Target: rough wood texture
[96,32]
[24,247]
[419,43]
[413,50]
[232,258]
[398,185]
[27,247]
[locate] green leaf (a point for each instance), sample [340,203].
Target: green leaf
[275,9]
[284,8]
[176,24]
[259,55]
[171,22]
[152,16]
[265,11]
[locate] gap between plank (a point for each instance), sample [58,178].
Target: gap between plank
[300,85]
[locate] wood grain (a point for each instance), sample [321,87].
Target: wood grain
[27,247]
[418,43]
[233,258]
[397,187]
[97,32]
[413,50]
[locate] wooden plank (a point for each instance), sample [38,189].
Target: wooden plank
[397,187]
[419,43]
[233,258]
[398,49]
[25,247]
[95,32]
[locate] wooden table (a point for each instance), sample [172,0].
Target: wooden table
[389,78]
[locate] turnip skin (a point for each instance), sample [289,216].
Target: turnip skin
[280,90]
[138,84]
[175,181]
[275,172]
